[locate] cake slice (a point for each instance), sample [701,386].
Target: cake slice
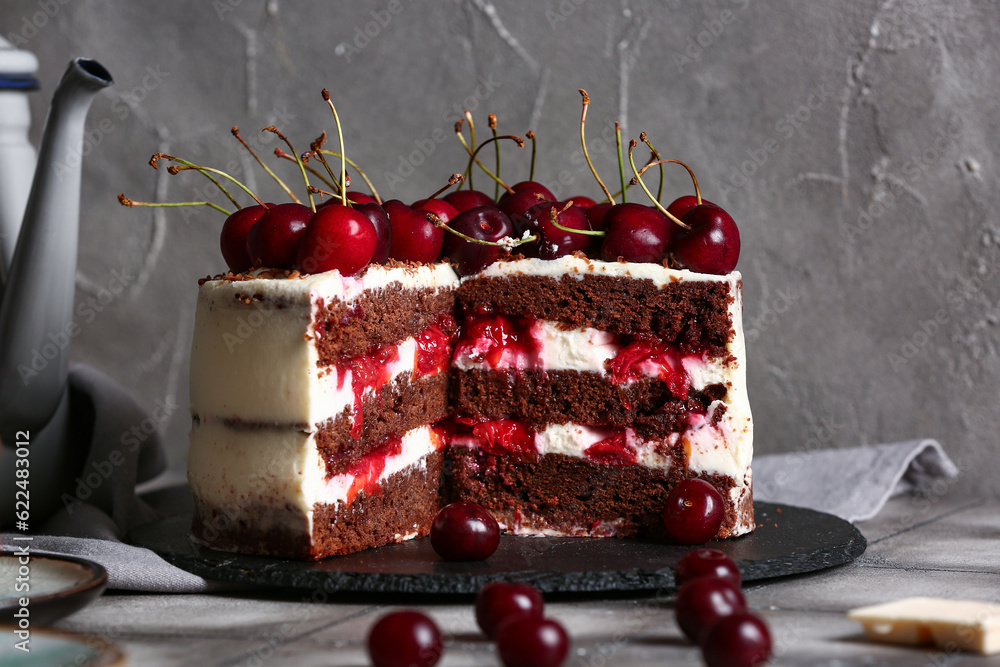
[312,401]
[585,390]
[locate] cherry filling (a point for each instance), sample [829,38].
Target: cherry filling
[650,356]
[369,370]
[367,471]
[500,341]
[611,451]
[505,436]
[434,347]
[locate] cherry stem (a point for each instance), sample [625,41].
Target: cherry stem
[583,140]
[630,184]
[157,156]
[553,214]
[125,201]
[316,147]
[472,145]
[455,178]
[472,158]
[465,145]
[621,161]
[362,174]
[343,158]
[315,172]
[531,137]
[507,241]
[236,133]
[655,155]
[298,161]
[697,190]
[638,178]
[185,166]
[496,144]
[324,193]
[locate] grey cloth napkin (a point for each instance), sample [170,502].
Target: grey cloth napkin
[853,484]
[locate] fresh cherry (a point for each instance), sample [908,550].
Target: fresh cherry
[438,207]
[273,241]
[694,511]
[582,202]
[414,237]
[358,198]
[532,642]
[501,601]
[738,640]
[486,223]
[683,204]
[526,194]
[701,603]
[706,563]
[383,230]
[405,639]
[463,200]
[712,245]
[464,531]
[234,237]
[555,242]
[596,213]
[636,233]
[337,238]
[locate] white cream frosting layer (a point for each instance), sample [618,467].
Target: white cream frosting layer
[258,361]
[240,471]
[571,265]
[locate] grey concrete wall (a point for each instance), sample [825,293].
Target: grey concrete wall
[852,141]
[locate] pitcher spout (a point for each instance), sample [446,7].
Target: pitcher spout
[36,300]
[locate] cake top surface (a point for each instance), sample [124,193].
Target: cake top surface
[581,265]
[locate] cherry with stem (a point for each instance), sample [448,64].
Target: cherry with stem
[638,179]
[157,156]
[125,201]
[186,166]
[236,133]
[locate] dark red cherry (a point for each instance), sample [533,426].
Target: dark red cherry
[486,223]
[337,238]
[233,239]
[358,198]
[464,531]
[383,230]
[554,242]
[526,194]
[463,200]
[706,563]
[738,640]
[701,603]
[438,207]
[405,639]
[636,233]
[502,601]
[273,241]
[694,511]
[582,202]
[712,245]
[683,204]
[596,213]
[532,642]
[414,237]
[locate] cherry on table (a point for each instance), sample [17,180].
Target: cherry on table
[464,531]
[338,238]
[463,200]
[738,640]
[414,237]
[486,223]
[233,240]
[501,601]
[532,642]
[712,245]
[273,240]
[405,639]
[706,563]
[636,233]
[701,603]
[693,512]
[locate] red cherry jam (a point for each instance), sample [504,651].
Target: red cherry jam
[368,470]
[499,341]
[434,347]
[505,436]
[647,354]
[613,450]
[369,370]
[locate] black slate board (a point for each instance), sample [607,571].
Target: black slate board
[788,540]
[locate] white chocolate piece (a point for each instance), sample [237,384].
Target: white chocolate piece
[966,625]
